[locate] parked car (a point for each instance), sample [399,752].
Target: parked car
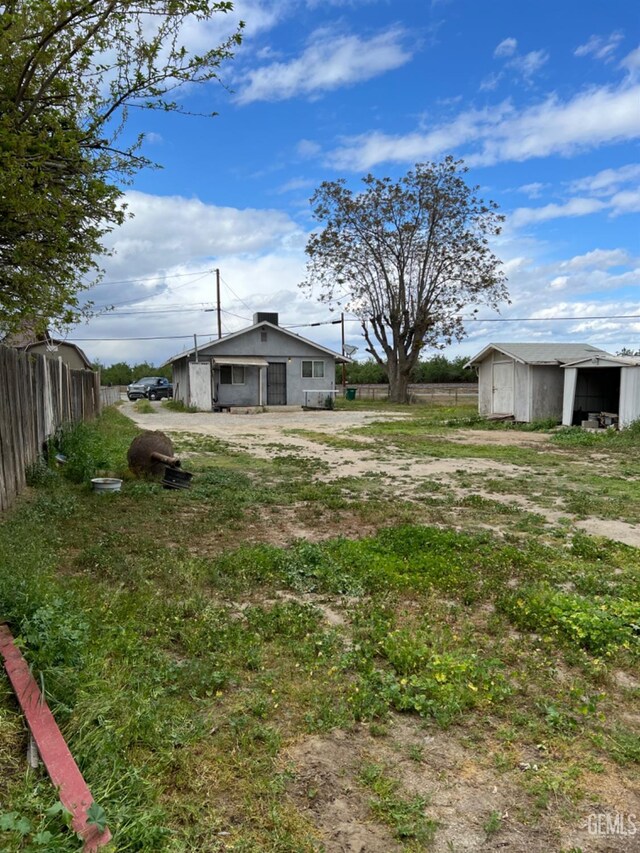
[162,388]
[138,389]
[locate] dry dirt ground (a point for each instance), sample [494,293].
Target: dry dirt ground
[265,434]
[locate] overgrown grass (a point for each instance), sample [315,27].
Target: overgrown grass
[180,659]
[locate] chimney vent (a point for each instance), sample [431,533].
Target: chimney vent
[265,317]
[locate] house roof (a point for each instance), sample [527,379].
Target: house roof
[606,360]
[210,347]
[533,353]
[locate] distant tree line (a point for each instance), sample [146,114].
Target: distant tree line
[123,374]
[436,369]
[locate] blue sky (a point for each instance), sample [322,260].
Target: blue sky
[541,99]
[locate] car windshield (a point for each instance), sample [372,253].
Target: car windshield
[147,380]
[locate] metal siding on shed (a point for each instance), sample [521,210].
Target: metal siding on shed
[484,387]
[546,392]
[569,395]
[521,391]
[629,395]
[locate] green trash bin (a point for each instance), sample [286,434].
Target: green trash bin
[350,393]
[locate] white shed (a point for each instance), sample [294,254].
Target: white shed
[602,384]
[525,380]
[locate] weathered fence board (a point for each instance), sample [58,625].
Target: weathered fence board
[37,395]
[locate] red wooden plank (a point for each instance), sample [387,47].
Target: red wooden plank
[73,791]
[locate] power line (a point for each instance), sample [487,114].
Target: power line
[233,293]
[111,314]
[550,319]
[207,335]
[153,295]
[150,278]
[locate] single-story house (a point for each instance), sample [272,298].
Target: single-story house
[600,384]
[262,365]
[525,380]
[44,344]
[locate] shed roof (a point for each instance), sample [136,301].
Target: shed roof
[534,353]
[606,360]
[26,338]
[211,347]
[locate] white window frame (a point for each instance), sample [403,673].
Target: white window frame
[234,379]
[315,374]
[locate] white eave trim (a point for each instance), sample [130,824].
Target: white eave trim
[240,361]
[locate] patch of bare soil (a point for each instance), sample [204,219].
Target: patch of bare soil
[461,793]
[265,435]
[283,525]
[612,529]
[513,438]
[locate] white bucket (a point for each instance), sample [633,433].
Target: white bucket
[106,484]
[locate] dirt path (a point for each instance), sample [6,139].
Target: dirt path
[268,434]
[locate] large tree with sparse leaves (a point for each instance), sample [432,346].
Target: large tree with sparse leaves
[70,72]
[408,257]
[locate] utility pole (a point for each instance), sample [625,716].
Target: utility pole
[344,366]
[218,303]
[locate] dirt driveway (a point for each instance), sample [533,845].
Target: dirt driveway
[267,434]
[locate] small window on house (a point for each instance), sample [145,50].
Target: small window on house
[263,337]
[313,369]
[232,374]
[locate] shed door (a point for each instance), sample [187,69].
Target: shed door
[276,384]
[502,390]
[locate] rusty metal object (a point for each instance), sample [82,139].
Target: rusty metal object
[150,453]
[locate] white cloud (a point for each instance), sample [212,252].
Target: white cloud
[599,259]
[295,184]
[529,64]
[507,47]
[308,149]
[600,47]
[502,133]
[329,62]
[533,190]
[588,120]
[606,181]
[518,67]
[627,201]
[632,61]
[574,207]
[178,230]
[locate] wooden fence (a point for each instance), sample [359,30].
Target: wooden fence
[450,393]
[37,395]
[109,395]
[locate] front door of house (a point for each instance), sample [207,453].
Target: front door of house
[276,384]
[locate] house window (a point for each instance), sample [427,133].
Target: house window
[263,337]
[313,369]
[232,374]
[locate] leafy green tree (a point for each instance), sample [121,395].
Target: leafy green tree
[70,74]
[363,373]
[440,369]
[116,374]
[407,257]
